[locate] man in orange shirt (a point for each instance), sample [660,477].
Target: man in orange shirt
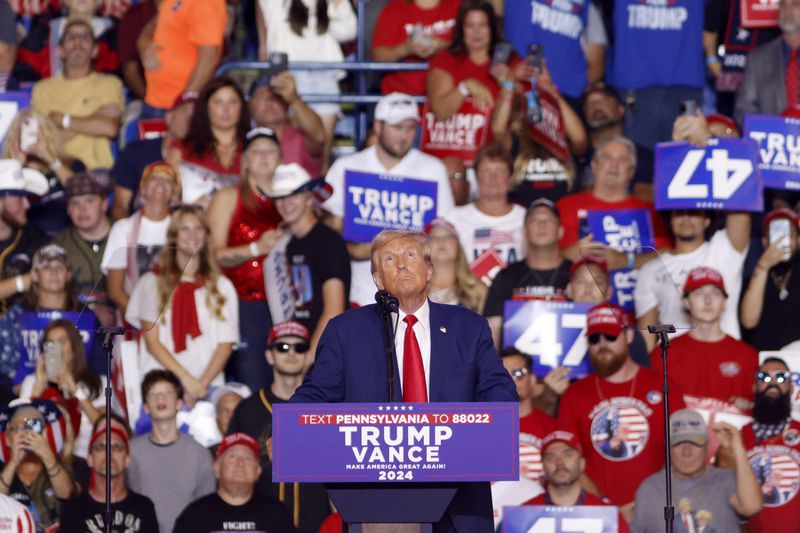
[180,49]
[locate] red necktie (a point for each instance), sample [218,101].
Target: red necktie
[792,81]
[414,388]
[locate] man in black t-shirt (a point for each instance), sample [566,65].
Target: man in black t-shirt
[132,512]
[288,351]
[317,255]
[235,506]
[543,274]
[18,239]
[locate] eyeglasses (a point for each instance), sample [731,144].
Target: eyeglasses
[594,338]
[518,373]
[284,347]
[777,377]
[116,447]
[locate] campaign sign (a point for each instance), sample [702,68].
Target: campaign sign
[552,333]
[623,282]
[778,141]
[375,202]
[391,442]
[759,13]
[457,136]
[11,102]
[549,132]
[625,230]
[278,282]
[31,325]
[558,519]
[722,176]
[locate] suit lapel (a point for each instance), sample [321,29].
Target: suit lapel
[441,350]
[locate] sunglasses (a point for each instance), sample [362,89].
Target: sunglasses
[777,377]
[594,338]
[284,347]
[519,373]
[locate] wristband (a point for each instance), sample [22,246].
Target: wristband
[507,84]
[254,251]
[631,260]
[66,120]
[81,393]
[712,59]
[462,88]
[56,165]
[20,284]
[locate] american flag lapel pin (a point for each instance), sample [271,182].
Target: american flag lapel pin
[443,329]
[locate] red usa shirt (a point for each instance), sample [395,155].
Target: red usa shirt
[532,429]
[621,429]
[776,463]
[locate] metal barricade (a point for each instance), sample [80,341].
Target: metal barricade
[361,98]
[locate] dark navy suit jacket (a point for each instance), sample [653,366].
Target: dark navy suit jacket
[351,367]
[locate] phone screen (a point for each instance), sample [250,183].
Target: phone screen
[502,53]
[53,360]
[780,229]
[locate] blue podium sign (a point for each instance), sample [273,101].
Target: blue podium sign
[553,519]
[723,176]
[390,442]
[552,333]
[375,202]
[778,141]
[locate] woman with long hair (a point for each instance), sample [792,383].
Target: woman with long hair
[537,171]
[453,282]
[76,385]
[244,229]
[186,309]
[209,157]
[309,30]
[465,68]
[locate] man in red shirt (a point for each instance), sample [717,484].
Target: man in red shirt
[772,442]
[563,466]
[705,362]
[616,411]
[412,32]
[613,167]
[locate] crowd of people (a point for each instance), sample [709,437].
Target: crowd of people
[211,217]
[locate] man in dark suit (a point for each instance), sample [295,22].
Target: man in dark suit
[763,89]
[444,354]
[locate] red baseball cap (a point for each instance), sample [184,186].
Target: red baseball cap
[289,328]
[238,439]
[728,122]
[605,318]
[781,212]
[588,260]
[703,276]
[559,435]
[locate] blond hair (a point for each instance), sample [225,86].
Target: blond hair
[388,235]
[47,131]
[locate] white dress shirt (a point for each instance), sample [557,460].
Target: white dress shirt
[422,329]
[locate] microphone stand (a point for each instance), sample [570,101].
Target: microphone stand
[108,346]
[662,332]
[388,304]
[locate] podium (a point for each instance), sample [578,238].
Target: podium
[393,466]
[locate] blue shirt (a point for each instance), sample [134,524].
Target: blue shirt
[658,45]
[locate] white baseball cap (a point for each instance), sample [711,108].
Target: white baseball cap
[20,181]
[232,387]
[394,108]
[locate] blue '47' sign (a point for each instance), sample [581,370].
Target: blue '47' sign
[552,333]
[723,176]
[552,519]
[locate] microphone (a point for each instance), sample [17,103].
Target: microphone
[389,303]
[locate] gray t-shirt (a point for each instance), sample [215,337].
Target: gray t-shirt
[172,475]
[704,500]
[8,23]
